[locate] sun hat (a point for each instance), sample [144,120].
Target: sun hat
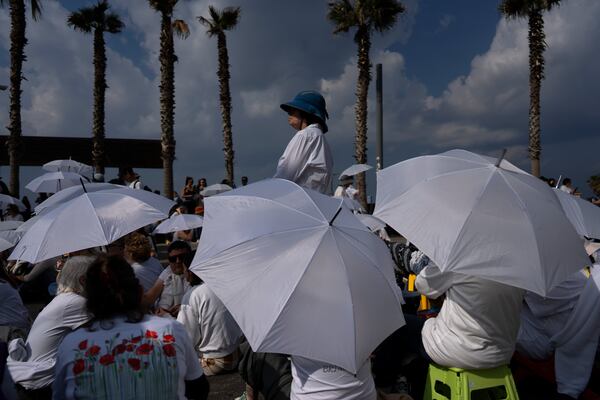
[311,102]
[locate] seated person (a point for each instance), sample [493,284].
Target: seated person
[123,353]
[564,325]
[14,317]
[31,363]
[172,284]
[213,331]
[138,253]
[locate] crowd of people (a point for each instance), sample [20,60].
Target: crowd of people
[119,324]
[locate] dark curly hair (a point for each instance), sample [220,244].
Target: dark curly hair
[112,289]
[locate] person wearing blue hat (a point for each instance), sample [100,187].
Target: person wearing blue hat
[307,159]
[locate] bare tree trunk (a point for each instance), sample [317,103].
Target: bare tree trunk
[167,102]
[98,153]
[363,41]
[225,98]
[537,46]
[17,57]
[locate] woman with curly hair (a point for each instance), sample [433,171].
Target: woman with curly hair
[123,353]
[138,253]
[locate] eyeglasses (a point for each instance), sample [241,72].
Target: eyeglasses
[178,257]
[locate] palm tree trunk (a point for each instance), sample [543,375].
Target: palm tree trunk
[225,98]
[98,154]
[17,57]
[167,102]
[537,46]
[363,41]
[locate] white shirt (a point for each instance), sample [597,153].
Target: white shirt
[478,324]
[307,160]
[12,312]
[316,380]
[174,288]
[566,189]
[117,359]
[567,323]
[136,184]
[211,327]
[32,363]
[147,272]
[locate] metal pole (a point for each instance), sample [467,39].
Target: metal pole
[379,111]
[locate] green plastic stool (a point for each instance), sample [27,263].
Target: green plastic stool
[461,384]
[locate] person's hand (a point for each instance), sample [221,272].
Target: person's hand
[161,312]
[174,310]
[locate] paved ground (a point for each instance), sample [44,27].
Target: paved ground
[225,387]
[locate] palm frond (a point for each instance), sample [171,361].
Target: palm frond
[181,28]
[343,15]
[36,9]
[521,8]
[113,23]
[230,18]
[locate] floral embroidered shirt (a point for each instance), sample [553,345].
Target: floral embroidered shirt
[115,359]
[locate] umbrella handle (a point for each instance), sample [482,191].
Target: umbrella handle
[501,157]
[335,216]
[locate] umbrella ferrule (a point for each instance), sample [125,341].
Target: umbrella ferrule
[501,158]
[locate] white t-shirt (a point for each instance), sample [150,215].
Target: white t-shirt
[12,312]
[316,380]
[147,272]
[566,189]
[150,359]
[307,160]
[64,313]
[211,327]
[478,324]
[174,289]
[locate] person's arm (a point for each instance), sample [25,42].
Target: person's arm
[431,282]
[293,160]
[38,269]
[197,389]
[188,316]
[152,294]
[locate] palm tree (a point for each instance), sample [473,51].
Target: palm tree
[98,20]
[17,57]
[366,16]
[532,9]
[217,24]
[167,60]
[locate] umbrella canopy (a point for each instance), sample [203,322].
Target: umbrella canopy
[371,222]
[90,220]
[9,239]
[217,188]
[355,169]
[72,192]
[584,216]
[350,203]
[5,200]
[9,225]
[471,216]
[54,182]
[179,222]
[69,166]
[300,274]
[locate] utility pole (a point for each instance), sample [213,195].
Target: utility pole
[379,117]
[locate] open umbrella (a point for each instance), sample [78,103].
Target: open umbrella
[215,189]
[299,273]
[584,216]
[53,182]
[350,203]
[371,222]
[9,239]
[355,169]
[5,200]
[480,216]
[179,222]
[90,220]
[72,192]
[69,166]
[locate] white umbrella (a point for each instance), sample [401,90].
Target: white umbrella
[179,222]
[90,220]
[299,273]
[471,216]
[584,216]
[215,189]
[350,203]
[72,192]
[9,239]
[24,227]
[9,225]
[69,166]
[53,182]
[5,200]
[355,169]
[371,222]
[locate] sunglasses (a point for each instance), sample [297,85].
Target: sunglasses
[180,257]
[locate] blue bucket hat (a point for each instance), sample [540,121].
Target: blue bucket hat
[311,102]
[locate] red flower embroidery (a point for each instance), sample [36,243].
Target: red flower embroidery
[144,349]
[119,349]
[78,367]
[136,339]
[130,347]
[151,334]
[169,350]
[134,363]
[83,345]
[168,338]
[107,359]
[93,351]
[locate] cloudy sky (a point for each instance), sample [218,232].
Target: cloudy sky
[455,76]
